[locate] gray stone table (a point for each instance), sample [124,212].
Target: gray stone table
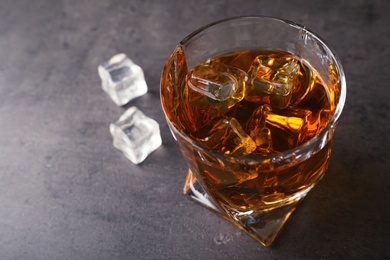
[67,193]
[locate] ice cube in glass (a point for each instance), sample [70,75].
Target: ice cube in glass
[227,136]
[271,80]
[211,90]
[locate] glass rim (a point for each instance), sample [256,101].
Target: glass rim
[290,153]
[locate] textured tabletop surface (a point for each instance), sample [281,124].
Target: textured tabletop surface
[67,193]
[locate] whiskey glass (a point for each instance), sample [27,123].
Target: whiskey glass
[257,193]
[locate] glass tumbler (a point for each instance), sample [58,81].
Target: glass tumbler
[253,171]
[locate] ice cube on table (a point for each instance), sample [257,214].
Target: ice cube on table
[271,80]
[135,134]
[122,79]
[227,136]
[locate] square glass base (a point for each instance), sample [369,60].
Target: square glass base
[263,226]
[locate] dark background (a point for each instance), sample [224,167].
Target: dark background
[67,193]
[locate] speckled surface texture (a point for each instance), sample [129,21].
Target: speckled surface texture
[67,193]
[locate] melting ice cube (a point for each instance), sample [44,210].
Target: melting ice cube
[135,134]
[258,132]
[122,79]
[227,136]
[256,122]
[290,125]
[212,89]
[271,79]
[218,82]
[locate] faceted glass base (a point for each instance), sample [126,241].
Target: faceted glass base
[263,226]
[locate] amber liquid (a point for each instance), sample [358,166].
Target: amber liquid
[265,121]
